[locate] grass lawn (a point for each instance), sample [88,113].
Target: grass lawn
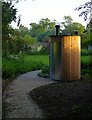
[25,63]
[45,59]
[37,58]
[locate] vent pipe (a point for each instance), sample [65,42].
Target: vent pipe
[57,29]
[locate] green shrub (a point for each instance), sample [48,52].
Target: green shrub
[45,72]
[16,64]
[85,52]
[86,67]
[12,67]
[8,71]
[86,62]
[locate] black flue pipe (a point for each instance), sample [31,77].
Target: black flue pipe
[75,32]
[57,29]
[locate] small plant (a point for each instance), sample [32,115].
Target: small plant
[45,69]
[44,72]
[75,108]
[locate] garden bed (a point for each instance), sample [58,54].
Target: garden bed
[65,100]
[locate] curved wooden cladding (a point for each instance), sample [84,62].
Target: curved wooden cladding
[70,56]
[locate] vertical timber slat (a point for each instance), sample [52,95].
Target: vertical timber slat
[67,63]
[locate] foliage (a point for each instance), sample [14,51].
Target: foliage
[45,72]
[43,29]
[87,36]
[16,1]
[14,40]
[86,61]
[87,9]
[86,67]
[45,69]
[8,15]
[67,21]
[69,27]
[16,65]
[19,64]
[87,39]
[23,30]
[29,41]
[85,52]
[22,39]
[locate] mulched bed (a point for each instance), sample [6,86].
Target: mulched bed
[65,100]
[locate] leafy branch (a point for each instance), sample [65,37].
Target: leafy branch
[87,9]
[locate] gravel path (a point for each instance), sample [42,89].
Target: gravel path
[21,106]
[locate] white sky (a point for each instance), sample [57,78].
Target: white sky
[34,10]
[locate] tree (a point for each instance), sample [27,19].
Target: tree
[23,30]
[87,10]
[42,29]
[69,27]
[29,40]
[16,1]
[87,13]
[87,36]
[89,26]
[12,40]
[67,21]
[34,29]
[8,15]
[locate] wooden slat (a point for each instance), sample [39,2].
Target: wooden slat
[70,52]
[75,58]
[70,56]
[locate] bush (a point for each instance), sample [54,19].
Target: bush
[45,69]
[13,67]
[10,68]
[45,72]
[85,52]
[86,67]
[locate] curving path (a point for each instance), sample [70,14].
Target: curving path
[0,97]
[21,106]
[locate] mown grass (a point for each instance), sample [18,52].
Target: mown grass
[25,63]
[37,58]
